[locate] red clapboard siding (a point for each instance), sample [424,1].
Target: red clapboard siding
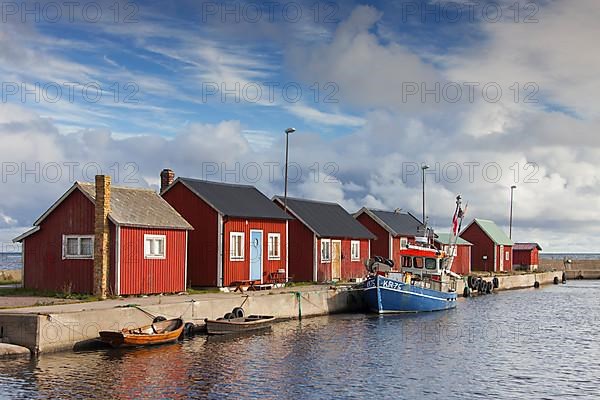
[240,270]
[350,269]
[203,240]
[44,267]
[301,248]
[462,261]
[482,245]
[381,245]
[140,275]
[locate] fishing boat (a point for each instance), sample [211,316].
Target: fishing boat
[159,332]
[423,282]
[227,326]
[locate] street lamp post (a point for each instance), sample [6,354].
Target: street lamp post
[512,189]
[287,137]
[423,168]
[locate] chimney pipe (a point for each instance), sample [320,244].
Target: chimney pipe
[167,176]
[101,236]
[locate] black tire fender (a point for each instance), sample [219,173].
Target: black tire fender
[238,312]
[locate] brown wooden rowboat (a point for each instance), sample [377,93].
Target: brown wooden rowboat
[157,333]
[222,326]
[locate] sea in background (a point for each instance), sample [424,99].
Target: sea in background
[10,261]
[572,256]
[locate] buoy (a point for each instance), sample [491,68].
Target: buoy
[496,282]
[555,281]
[238,312]
[488,287]
[564,278]
[158,319]
[228,316]
[466,292]
[480,287]
[536,285]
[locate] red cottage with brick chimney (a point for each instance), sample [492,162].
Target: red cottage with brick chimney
[239,234]
[107,241]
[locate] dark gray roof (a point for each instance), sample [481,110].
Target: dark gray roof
[234,200]
[397,223]
[138,207]
[326,219]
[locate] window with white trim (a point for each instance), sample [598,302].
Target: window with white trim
[403,243]
[507,256]
[155,246]
[78,247]
[236,246]
[274,246]
[325,250]
[355,250]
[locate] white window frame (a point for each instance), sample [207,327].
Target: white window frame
[79,256]
[403,242]
[149,256]
[506,256]
[328,241]
[278,254]
[354,257]
[233,235]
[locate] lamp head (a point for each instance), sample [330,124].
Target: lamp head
[290,130]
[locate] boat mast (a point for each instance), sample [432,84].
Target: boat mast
[455,229]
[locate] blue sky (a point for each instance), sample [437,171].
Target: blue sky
[373,89]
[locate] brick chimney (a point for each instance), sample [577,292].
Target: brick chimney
[167,176]
[101,236]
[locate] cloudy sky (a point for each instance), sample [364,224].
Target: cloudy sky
[489,95]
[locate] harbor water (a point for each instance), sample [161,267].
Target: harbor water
[511,345]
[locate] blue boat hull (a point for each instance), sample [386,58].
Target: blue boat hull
[384,295]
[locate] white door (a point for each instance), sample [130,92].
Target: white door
[501,258]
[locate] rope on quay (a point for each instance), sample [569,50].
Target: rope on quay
[152,316]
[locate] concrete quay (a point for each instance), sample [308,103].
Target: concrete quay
[73,326]
[521,281]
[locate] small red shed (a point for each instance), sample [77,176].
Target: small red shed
[461,264]
[526,256]
[492,248]
[239,234]
[327,243]
[107,240]
[393,231]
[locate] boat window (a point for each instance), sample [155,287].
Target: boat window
[430,263]
[406,262]
[418,262]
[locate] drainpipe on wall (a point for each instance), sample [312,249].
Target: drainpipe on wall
[101,236]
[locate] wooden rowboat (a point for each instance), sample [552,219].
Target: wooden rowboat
[157,333]
[222,326]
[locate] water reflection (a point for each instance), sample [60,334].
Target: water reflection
[533,344]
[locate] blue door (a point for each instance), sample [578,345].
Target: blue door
[256,254]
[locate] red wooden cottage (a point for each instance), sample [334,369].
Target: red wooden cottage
[239,234]
[461,264]
[526,256]
[491,250]
[107,240]
[327,243]
[393,230]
